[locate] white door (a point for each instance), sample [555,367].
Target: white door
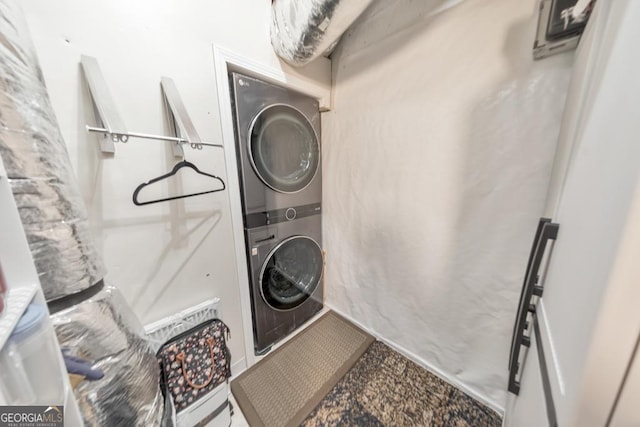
[592,196]
[626,413]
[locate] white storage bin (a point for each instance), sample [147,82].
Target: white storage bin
[29,375]
[211,411]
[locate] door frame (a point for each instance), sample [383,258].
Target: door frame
[315,81]
[616,332]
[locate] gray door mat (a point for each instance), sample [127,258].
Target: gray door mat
[284,387]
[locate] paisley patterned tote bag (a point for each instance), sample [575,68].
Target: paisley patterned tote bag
[195,362]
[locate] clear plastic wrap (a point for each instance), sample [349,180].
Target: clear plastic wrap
[37,163]
[302,31]
[103,330]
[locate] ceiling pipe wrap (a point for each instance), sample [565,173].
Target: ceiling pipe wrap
[303,30]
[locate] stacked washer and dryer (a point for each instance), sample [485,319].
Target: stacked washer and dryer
[278,152]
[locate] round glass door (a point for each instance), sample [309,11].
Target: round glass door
[291,272]
[284,148]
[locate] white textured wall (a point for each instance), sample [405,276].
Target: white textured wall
[168,256]
[437,157]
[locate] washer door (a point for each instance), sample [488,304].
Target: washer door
[284,148]
[291,272]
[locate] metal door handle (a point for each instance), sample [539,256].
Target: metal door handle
[546,231]
[266,239]
[523,302]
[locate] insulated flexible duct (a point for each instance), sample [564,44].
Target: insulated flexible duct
[37,163]
[104,331]
[101,329]
[303,30]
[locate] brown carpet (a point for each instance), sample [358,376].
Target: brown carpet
[284,387]
[386,389]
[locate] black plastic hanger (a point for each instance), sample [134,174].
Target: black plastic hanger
[177,167]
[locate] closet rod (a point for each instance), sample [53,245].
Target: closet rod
[124,137]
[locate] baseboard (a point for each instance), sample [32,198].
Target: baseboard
[238,367]
[428,366]
[241,365]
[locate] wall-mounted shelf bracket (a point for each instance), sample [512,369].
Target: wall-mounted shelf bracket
[111,125]
[109,121]
[179,120]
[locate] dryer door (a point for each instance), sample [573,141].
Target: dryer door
[284,148]
[291,273]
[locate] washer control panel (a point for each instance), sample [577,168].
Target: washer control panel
[281,215]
